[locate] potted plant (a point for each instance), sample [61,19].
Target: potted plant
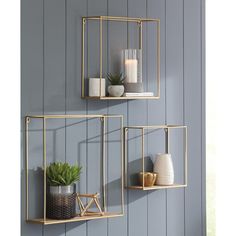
[61,194]
[116,89]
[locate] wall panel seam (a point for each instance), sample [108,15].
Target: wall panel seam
[65,89]
[43,227]
[166,192]
[203,155]
[184,105]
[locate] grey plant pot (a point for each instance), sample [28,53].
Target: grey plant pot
[61,202]
[116,90]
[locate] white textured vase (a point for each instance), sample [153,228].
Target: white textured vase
[94,87]
[163,166]
[116,90]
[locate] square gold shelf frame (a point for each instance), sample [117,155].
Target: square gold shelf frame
[101,19]
[103,120]
[167,129]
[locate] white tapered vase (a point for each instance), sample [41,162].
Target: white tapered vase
[163,166]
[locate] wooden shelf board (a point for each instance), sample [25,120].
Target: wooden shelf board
[121,98]
[75,219]
[156,187]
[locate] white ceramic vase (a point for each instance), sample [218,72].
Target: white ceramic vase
[94,87]
[116,90]
[163,166]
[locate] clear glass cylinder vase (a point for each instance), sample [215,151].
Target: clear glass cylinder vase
[132,69]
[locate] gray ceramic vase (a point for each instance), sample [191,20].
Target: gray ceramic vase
[116,90]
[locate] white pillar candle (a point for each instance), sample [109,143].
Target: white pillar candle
[131,67]
[94,87]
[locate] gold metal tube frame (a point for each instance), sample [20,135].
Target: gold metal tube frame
[143,158]
[167,148]
[140,22]
[44,170]
[27,120]
[66,116]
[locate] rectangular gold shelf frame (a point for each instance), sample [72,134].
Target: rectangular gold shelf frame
[101,19]
[75,219]
[167,129]
[103,119]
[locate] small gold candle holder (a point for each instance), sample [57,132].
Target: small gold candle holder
[149,178]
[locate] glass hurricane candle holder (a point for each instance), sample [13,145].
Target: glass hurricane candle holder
[132,70]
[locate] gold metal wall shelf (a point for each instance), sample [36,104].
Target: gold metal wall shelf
[101,20]
[103,119]
[75,219]
[167,129]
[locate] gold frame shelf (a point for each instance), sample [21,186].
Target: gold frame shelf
[166,128]
[156,187]
[75,219]
[103,119]
[101,19]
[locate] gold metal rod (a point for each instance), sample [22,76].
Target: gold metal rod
[158,61]
[121,18]
[82,64]
[114,116]
[44,169]
[125,156]
[122,164]
[72,116]
[143,156]
[87,207]
[103,162]
[157,127]
[186,156]
[65,116]
[27,166]
[100,89]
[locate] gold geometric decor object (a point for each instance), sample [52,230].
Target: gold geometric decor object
[84,208]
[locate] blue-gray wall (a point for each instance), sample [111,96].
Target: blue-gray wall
[51,63]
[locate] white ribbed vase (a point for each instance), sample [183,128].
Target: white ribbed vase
[163,166]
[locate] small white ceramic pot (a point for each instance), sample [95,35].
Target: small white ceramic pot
[94,87]
[163,166]
[116,90]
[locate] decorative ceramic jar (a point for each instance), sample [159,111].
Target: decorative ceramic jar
[163,166]
[149,178]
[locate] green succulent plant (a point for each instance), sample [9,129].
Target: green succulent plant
[62,174]
[116,79]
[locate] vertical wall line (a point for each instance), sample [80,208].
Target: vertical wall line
[200,34]
[147,101]
[184,112]
[203,154]
[107,123]
[65,84]
[43,74]
[127,190]
[166,112]
[86,33]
